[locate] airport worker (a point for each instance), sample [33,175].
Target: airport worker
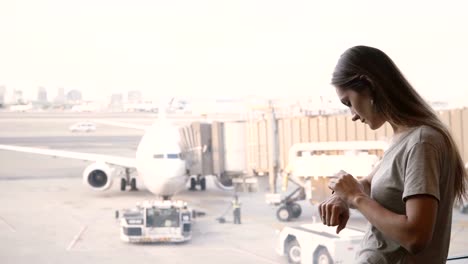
[236,210]
[408,198]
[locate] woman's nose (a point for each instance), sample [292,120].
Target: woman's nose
[356,117]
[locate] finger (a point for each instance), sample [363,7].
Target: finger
[320,211]
[343,221]
[324,214]
[328,214]
[334,217]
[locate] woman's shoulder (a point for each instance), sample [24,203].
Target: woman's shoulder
[428,135]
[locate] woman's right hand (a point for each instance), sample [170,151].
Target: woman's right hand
[334,212]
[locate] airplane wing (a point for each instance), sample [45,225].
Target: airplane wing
[114,160]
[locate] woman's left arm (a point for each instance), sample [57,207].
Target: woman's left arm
[413,231]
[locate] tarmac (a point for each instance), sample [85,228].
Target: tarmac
[47,215]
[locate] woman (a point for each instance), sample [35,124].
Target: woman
[408,198]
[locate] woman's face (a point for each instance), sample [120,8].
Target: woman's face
[361,107]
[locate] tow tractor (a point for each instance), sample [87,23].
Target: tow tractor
[318,243]
[156,221]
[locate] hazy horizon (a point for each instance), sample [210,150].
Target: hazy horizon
[224,48]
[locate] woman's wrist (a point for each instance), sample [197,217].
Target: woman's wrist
[357,200]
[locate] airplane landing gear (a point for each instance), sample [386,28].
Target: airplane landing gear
[133,186]
[128,181]
[193,184]
[123,184]
[197,180]
[203,184]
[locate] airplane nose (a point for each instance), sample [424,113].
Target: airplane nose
[165,179]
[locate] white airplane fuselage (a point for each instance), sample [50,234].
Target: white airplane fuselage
[159,161]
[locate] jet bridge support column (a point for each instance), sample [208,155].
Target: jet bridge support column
[272,147]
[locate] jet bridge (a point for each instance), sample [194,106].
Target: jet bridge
[217,149]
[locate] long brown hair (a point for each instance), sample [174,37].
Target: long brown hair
[363,67]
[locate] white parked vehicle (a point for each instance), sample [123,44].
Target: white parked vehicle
[157,221]
[83,127]
[317,243]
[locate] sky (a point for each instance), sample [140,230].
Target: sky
[225,48]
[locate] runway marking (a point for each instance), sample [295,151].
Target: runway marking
[7,224]
[75,239]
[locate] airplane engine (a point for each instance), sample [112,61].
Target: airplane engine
[98,176]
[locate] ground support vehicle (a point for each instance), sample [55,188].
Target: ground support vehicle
[157,221]
[318,243]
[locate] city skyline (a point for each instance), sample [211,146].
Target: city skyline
[224,48]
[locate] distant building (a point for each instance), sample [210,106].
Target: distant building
[60,98]
[74,96]
[134,96]
[116,102]
[42,95]
[17,97]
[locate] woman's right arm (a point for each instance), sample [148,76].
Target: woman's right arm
[335,212]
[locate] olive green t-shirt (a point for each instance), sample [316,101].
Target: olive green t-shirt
[419,163]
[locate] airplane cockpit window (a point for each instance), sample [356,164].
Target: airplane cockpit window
[173,156]
[169,156]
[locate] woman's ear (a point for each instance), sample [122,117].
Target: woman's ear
[365,79]
[368,82]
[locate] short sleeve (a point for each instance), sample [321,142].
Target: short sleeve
[422,173]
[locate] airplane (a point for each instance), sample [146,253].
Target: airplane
[161,162]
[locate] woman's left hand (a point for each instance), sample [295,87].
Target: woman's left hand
[346,187]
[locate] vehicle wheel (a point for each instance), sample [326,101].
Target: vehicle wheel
[296,210]
[294,252]
[133,185]
[123,184]
[322,256]
[283,214]
[203,184]
[193,184]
